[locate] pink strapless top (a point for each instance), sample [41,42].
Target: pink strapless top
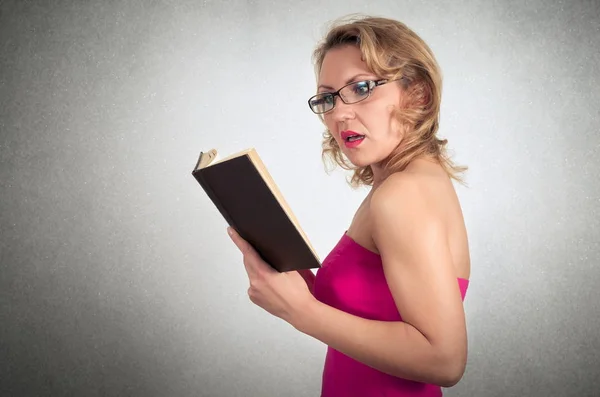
[351,279]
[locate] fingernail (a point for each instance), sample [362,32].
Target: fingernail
[229,231]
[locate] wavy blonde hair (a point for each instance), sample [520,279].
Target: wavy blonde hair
[391,50]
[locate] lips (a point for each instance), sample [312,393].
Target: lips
[350,136]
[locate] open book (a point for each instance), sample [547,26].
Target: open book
[247,197]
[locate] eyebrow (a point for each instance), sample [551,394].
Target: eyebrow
[350,80]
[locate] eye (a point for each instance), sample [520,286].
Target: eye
[361,88]
[322,100]
[322,103]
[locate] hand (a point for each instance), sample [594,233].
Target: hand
[285,295]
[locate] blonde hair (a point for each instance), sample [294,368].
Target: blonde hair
[391,50]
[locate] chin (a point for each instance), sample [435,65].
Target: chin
[357,159]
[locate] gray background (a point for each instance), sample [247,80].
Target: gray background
[117,277]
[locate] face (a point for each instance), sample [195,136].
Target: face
[370,118]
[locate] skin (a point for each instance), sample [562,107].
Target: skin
[413,220]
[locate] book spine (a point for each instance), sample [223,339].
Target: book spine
[213,197]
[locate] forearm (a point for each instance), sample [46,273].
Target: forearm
[395,348]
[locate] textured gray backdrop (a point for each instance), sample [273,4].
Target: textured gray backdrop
[117,277]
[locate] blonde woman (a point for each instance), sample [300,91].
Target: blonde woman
[388,300]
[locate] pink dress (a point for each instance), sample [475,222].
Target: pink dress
[351,279]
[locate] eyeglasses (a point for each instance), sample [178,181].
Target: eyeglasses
[350,93]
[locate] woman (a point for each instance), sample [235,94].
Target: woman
[388,300]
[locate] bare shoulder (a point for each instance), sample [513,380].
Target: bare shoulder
[414,218]
[409,228]
[408,197]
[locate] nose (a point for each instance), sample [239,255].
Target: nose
[341,111]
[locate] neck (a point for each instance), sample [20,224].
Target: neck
[380,174]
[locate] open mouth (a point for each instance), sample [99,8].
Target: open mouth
[353,138]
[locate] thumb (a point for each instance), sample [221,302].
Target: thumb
[242,244]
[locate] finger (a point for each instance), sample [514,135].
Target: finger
[250,266]
[251,258]
[242,244]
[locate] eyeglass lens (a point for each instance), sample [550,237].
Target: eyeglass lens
[351,93]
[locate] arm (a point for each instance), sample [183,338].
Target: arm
[430,345]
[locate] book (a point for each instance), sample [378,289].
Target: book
[247,197]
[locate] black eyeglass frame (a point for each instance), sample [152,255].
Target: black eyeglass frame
[371,84]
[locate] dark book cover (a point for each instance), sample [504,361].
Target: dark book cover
[247,203]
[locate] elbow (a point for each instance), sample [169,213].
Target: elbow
[442,373]
[443,370]
[451,371]
[450,379]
